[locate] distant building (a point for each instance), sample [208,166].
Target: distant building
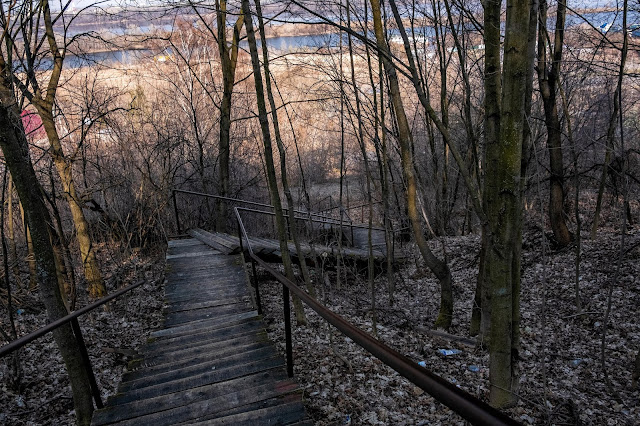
[33,127]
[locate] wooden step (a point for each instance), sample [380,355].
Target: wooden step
[142,410]
[281,414]
[212,361]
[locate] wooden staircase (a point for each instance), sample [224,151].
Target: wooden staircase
[212,363]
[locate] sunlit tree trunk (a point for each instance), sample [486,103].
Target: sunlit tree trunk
[293,225]
[268,156]
[439,268]
[228,60]
[92,274]
[43,100]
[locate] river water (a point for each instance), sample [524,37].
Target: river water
[611,21]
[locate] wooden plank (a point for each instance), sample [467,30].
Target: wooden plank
[208,325]
[194,411]
[160,358]
[197,276]
[196,367]
[147,368]
[216,241]
[175,318]
[221,333]
[280,414]
[204,324]
[204,379]
[135,409]
[193,254]
[287,398]
[182,243]
[190,348]
[210,303]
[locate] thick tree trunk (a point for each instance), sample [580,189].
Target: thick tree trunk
[14,146]
[502,194]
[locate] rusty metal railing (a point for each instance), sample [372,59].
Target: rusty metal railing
[463,403]
[318,216]
[73,319]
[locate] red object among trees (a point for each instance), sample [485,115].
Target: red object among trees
[32,125]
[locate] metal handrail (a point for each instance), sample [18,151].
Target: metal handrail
[73,319]
[233,200]
[331,221]
[349,207]
[463,403]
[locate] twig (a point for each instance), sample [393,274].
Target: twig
[451,337]
[581,313]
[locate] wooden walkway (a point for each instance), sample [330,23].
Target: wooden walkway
[270,249]
[212,363]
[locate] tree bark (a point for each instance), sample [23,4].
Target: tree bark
[31,261]
[13,250]
[548,82]
[14,146]
[439,268]
[268,156]
[505,108]
[64,166]
[228,60]
[43,100]
[293,225]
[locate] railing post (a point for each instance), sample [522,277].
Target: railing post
[175,211]
[254,275]
[352,238]
[87,363]
[287,329]
[255,285]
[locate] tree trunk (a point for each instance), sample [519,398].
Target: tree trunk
[502,194]
[13,250]
[548,82]
[611,133]
[31,260]
[92,274]
[228,60]
[268,155]
[293,225]
[14,146]
[439,268]
[367,171]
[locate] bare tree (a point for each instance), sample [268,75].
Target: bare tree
[16,153]
[28,44]
[548,79]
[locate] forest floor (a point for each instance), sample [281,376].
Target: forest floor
[43,394]
[343,384]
